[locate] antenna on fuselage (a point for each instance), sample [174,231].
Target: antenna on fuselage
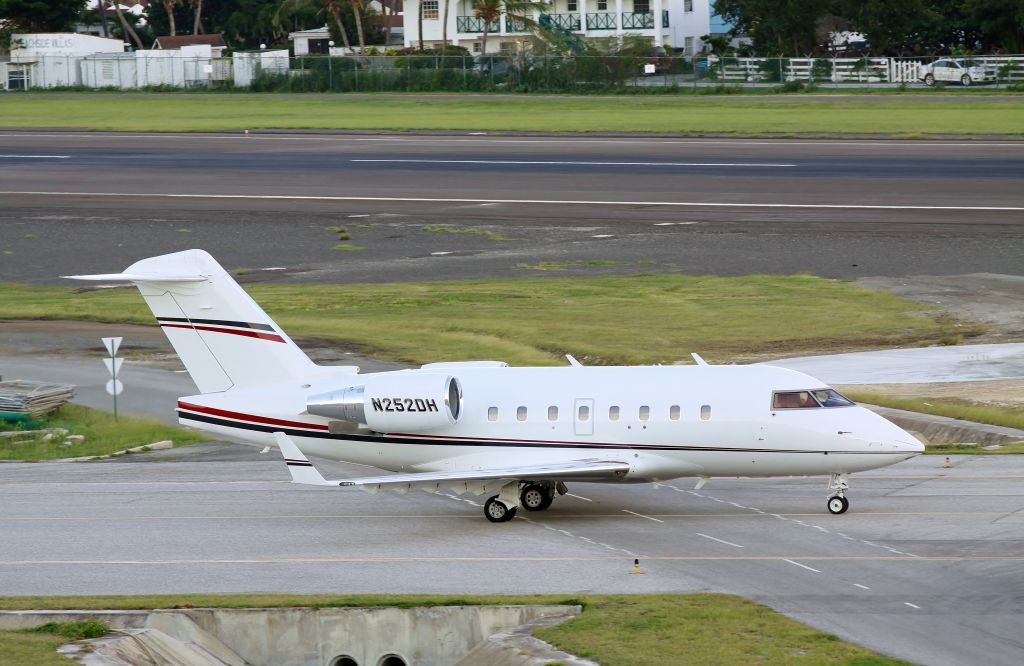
[698,359]
[572,361]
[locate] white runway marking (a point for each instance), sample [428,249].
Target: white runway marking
[803,566]
[585,499]
[863,587]
[727,543]
[907,603]
[37,157]
[573,163]
[547,202]
[643,516]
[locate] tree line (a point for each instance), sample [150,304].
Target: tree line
[892,27]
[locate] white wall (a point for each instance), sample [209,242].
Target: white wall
[62,43]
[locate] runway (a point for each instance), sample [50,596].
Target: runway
[834,208]
[925,566]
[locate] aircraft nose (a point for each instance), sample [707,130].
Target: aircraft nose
[909,445]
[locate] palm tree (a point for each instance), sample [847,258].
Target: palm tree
[332,7]
[520,11]
[357,10]
[444,25]
[125,26]
[169,8]
[197,10]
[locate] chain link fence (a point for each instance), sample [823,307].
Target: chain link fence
[276,71]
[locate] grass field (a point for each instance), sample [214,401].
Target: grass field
[907,115]
[535,320]
[951,407]
[102,435]
[626,630]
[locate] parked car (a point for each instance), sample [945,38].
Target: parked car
[956,71]
[657,61]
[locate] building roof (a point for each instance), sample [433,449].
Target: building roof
[176,42]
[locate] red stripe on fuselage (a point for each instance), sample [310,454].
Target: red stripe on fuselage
[273,337]
[248,417]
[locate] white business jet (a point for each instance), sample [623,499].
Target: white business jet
[516,434]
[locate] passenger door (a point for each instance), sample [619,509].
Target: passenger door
[583,416]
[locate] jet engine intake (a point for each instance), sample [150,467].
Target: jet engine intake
[398,402]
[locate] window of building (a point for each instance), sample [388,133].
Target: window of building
[492,413]
[645,412]
[552,413]
[521,414]
[476,47]
[602,5]
[571,5]
[705,412]
[613,413]
[584,413]
[507,47]
[430,9]
[687,5]
[688,46]
[673,412]
[641,6]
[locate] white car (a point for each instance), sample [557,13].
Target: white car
[955,71]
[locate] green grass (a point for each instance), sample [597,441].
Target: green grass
[102,435]
[347,247]
[909,115]
[955,408]
[535,320]
[626,630]
[471,231]
[37,646]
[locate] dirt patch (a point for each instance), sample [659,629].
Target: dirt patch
[995,300]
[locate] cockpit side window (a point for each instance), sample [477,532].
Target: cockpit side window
[832,398]
[809,399]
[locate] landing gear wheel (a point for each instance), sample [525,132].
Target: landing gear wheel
[535,497]
[838,504]
[497,512]
[965,80]
[929,80]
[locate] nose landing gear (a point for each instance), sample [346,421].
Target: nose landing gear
[837,503]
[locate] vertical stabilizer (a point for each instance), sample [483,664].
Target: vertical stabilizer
[223,337]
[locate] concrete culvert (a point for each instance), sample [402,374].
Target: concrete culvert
[344,660]
[391,660]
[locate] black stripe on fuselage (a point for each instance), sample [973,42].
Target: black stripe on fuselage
[218,322]
[388,439]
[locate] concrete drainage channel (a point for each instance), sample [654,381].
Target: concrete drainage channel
[426,636]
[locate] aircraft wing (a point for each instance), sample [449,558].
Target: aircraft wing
[478,481]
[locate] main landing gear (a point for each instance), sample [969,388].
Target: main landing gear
[837,502]
[531,495]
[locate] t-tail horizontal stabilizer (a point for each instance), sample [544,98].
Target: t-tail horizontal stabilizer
[301,469]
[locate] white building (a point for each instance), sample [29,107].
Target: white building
[674,24]
[51,60]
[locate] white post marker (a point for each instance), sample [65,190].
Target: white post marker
[114,386]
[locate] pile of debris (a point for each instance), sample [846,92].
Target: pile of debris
[20,398]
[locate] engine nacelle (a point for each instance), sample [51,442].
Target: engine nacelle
[403,402]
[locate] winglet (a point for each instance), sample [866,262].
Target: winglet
[301,469]
[572,361]
[698,359]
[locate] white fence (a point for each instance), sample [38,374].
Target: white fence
[846,70]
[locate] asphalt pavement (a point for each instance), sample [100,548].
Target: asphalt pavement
[432,207]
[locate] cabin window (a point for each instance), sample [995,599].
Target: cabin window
[492,413]
[793,400]
[613,413]
[552,413]
[521,414]
[705,412]
[645,412]
[584,413]
[673,412]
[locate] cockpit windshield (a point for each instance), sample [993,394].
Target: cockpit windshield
[809,399]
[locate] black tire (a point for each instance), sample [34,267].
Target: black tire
[929,79]
[535,497]
[965,80]
[837,505]
[497,512]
